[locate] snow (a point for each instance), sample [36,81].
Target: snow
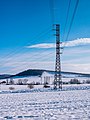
[39,88]
[72,103]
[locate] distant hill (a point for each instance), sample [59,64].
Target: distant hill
[38,72]
[30,72]
[4,76]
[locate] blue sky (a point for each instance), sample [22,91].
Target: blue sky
[27,24]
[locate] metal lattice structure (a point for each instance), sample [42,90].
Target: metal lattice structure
[57,77]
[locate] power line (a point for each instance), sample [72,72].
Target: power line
[51,4]
[43,57]
[68,10]
[71,24]
[52,10]
[32,56]
[53,22]
[37,56]
[21,48]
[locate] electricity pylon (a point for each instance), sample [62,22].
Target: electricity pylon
[57,77]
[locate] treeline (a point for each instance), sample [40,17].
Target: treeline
[25,82]
[76,81]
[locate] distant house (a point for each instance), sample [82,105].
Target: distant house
[47,78]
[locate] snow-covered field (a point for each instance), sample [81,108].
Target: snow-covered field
[46,104]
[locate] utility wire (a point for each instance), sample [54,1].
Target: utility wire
[68,10]
[31,57]
[35,56]
[53,22]
[43,57]
[27,49]
[51,4]
[73,16]
[21,48]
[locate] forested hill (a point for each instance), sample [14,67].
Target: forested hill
[38,72]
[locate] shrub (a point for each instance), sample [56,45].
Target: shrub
[20,82]
[30,86]
[11,88]
[88,81]
[37,83]
[74,81]
[46,86]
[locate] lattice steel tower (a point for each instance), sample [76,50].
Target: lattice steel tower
[57,77]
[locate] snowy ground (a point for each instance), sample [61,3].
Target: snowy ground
[68,104]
